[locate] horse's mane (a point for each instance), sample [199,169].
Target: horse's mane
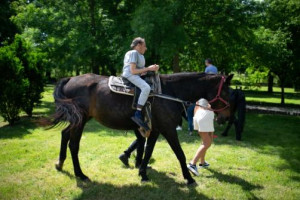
[184,75]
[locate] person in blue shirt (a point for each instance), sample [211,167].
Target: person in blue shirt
[210,68]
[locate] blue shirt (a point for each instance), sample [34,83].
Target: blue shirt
[135,57]
[211,69]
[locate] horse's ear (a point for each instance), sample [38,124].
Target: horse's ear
[229,78]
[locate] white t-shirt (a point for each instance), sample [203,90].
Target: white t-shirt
[204,120]
[132,56]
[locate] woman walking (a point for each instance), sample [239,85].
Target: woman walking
[203,123]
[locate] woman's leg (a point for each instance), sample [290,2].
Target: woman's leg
[200,154]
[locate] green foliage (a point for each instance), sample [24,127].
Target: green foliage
[254,76]
[7,28]
[12,84]
[160,22]
[21,82]
[33,72]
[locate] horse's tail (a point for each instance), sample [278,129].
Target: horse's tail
[67,109]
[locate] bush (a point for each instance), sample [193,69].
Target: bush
[12,85]
[21,80]
[32,63]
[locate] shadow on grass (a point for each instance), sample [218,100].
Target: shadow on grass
[272,135]
[20,128]
[162,186]
[246,186]
[45,108]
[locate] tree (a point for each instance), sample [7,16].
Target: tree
[272,51]
[283,16]
[21,82]
[7,28]
[33,71]
[221,30]
[12,85]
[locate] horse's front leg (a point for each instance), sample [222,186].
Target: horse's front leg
[148,153]
[172,138]
[229,124]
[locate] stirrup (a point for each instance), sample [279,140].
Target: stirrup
[144,133]
[140,123]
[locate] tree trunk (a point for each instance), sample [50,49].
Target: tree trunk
[94,66]
[282,94]
[77,71]
[270,82]
[176,67]
[48,75]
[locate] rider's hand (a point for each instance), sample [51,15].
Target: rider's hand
[153,67]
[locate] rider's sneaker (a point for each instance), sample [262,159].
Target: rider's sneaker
[138,119]
[178,128]
[193,169]
[205,165]
[124,159]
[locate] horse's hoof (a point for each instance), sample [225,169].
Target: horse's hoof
[145,179]
[58,166]
[191,182]
[83,177]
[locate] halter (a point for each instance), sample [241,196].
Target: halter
[218,97]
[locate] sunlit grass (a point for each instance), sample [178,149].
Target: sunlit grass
[265,165]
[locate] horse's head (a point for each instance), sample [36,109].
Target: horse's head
[218,98]
[193,86]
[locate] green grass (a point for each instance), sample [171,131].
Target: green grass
[265,165]
[260,95]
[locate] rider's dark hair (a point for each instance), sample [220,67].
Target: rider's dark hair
[137,41]
[208,60]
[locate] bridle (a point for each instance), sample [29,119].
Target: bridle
[218,97]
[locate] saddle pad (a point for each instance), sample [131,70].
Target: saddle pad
[117,85]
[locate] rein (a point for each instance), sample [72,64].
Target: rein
[218,97]
[187,103]
[184,103]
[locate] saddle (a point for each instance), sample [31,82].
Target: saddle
[121,85]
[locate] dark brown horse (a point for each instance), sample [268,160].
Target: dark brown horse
[81,98]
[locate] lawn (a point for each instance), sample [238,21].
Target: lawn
[260,95]
[265,165]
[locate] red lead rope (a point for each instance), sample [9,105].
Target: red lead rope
[218,97]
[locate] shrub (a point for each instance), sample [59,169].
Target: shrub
[12,85]
[21,80]
[33,71]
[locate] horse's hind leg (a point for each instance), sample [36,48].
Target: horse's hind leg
[65,137]
[74,143]
[173,141]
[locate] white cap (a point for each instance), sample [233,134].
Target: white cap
[203,103]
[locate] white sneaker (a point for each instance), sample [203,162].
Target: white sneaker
[193,169]
[205,165]
[178,128]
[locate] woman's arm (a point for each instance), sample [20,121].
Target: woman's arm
[134,70]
